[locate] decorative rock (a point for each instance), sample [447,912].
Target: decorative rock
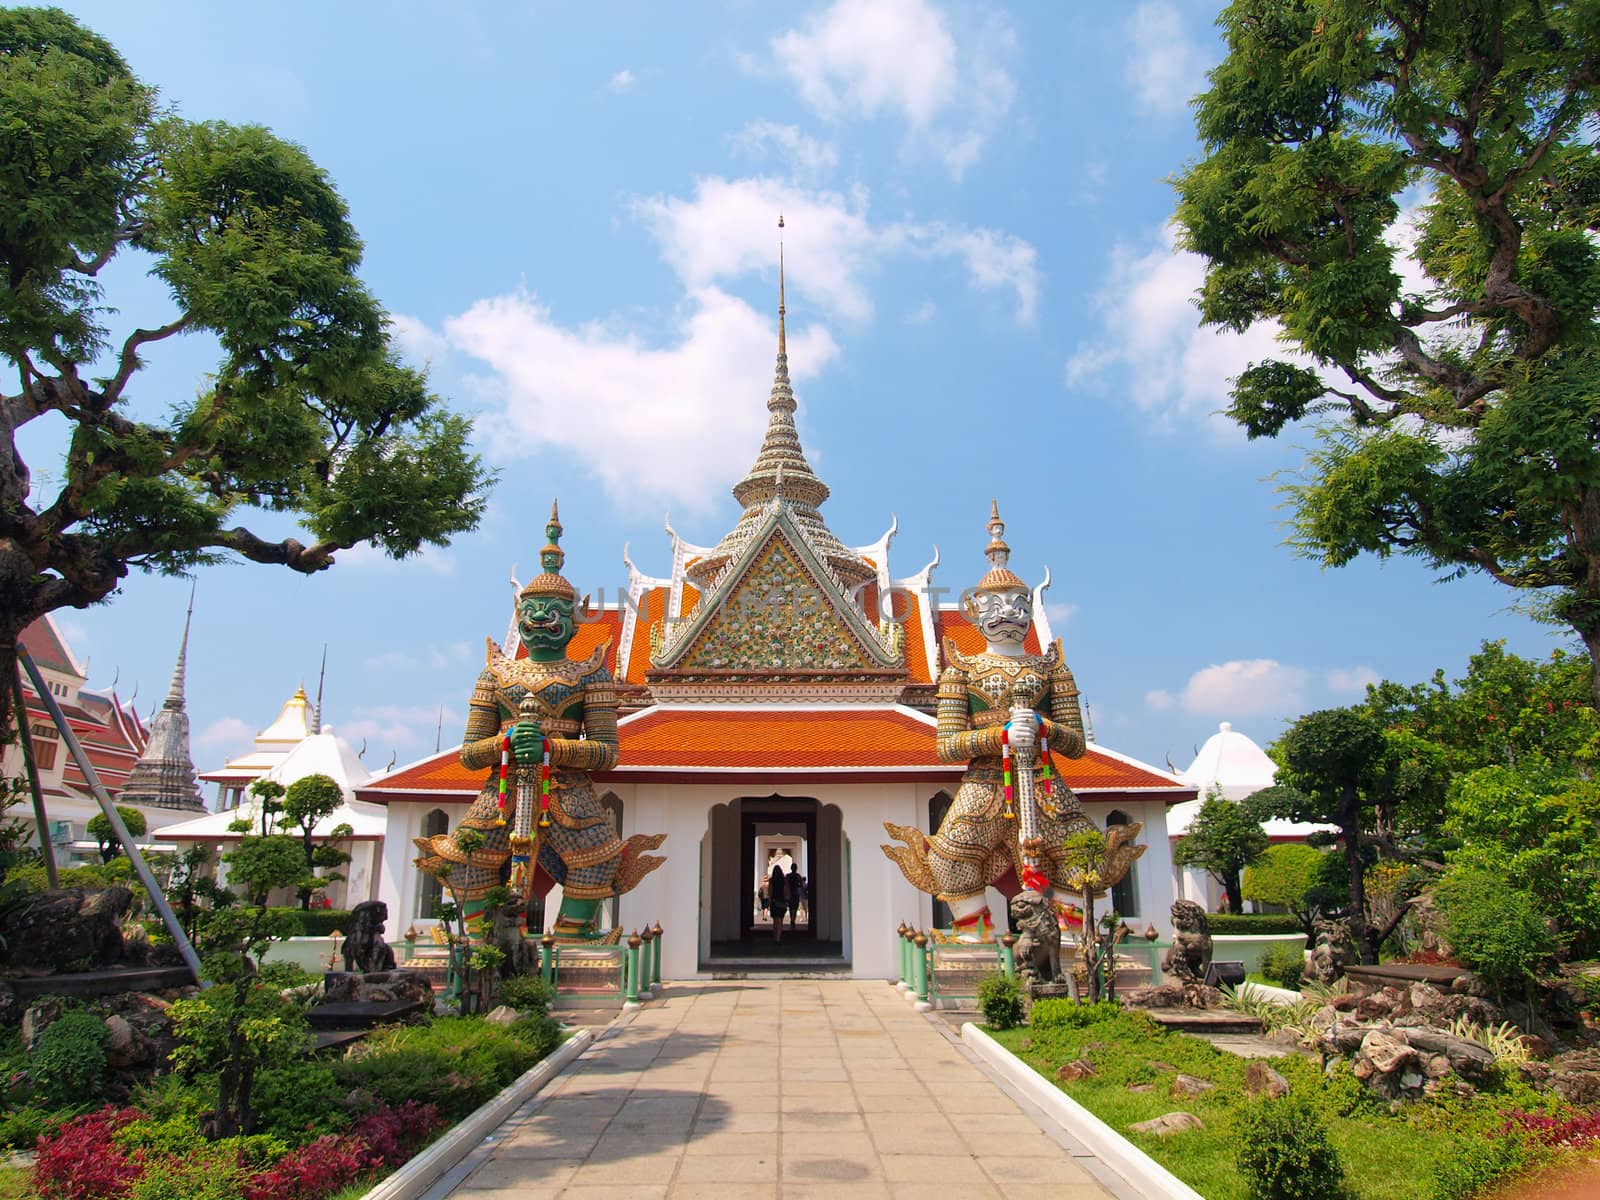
[364,948]
[1470,983]
[1335,950]
[1190,1085]
[1386,1054]
[1437,1066]
[1157,1065]
[1166,995]
[1141,1087]
[41,1014]
[502,1016]
[1169,1123]
[1078,1068]
[1474,1063]
[67,928]
[1260,1078]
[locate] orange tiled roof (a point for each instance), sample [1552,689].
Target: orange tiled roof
[43,643]
[652,608]
[950,623]
[911,627]
[607,623]
[668,740]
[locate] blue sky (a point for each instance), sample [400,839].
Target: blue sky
[570,211]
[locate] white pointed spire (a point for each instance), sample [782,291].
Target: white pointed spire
[164,775]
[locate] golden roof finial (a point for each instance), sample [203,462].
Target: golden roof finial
[783,347]
[1000,577]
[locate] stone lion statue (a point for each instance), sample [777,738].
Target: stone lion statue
[1038,950]
[364,948]
[506,933]
[1335,950]
[1190,954]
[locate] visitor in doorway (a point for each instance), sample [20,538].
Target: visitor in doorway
[764,897]
[796,889]
[777,884]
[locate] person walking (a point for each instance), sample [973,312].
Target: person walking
[796,889]
[778,885]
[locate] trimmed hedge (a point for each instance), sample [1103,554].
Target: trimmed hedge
[318,922]
[1257,923]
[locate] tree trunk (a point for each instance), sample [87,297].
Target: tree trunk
[1350,831]
[1591,643]
[1230,884]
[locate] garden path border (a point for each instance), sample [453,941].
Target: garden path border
[422,1172]
[1116,1151]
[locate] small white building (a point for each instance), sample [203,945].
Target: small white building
[314,754]
[1233,766]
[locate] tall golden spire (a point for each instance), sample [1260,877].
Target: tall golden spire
[782,472]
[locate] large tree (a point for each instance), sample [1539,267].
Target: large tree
[1461,411]
[308,412]
[1223,839]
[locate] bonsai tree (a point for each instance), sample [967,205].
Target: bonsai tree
[306,802]
[1300,878]
[100,830]
[1223,839]
[239,1026]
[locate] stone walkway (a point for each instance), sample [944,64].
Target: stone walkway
[686,1101]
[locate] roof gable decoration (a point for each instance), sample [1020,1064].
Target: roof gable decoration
[732,628]
[917,585]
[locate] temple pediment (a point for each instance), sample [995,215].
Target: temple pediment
[776,609]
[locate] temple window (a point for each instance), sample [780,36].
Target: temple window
[432,890]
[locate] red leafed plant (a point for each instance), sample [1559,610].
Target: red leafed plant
[314,1170]
[394,1134]
[81,1162]
[1581,1130]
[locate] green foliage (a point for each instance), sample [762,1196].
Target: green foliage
[1494,926]
[1284,965]
[273,1031]
[1223,839]
[299,1101]
[1458,410]
[454,1062]
[308,411]
[539,1033]
[99,828]
[1478,1165]
[21,1127]
[199,1172]
[1064,1014]
[307,801]
[70,1064]
[1284,1152]
[1000,1001]
[1296,877]
[525,993]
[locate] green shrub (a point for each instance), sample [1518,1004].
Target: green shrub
[1477,1163]
[1494,926]
[1283,1152]
[538,1033]
[285,975]
[315,922]
[70,1064]
[200,1172]
[1064,1014]
[299,1101]
[454,1062]
[1260,923]
[1284,965]
[20,1128]
[525,993]
[1000,1001]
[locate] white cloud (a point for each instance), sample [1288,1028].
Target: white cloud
[1166,67]
[681,420]
[1246,687]
[398,728]
[923,313]
[1159,700]
[417,344]
[1060,611]
[867,58]
[436,657]
[808,157]
[365,554]
[622,81]
[1351,680]
[225,733]
[1171,369]
[727,229]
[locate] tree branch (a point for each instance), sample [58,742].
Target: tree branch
[130,355]
[290,552]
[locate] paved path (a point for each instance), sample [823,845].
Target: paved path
[686,1101]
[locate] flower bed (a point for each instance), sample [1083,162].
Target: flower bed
[323,1126]
[1440,1148]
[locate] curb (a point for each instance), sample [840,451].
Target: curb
[423,1171]
[1117,1152]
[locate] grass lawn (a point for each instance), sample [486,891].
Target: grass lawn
[14,1184]
[1430,1150]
